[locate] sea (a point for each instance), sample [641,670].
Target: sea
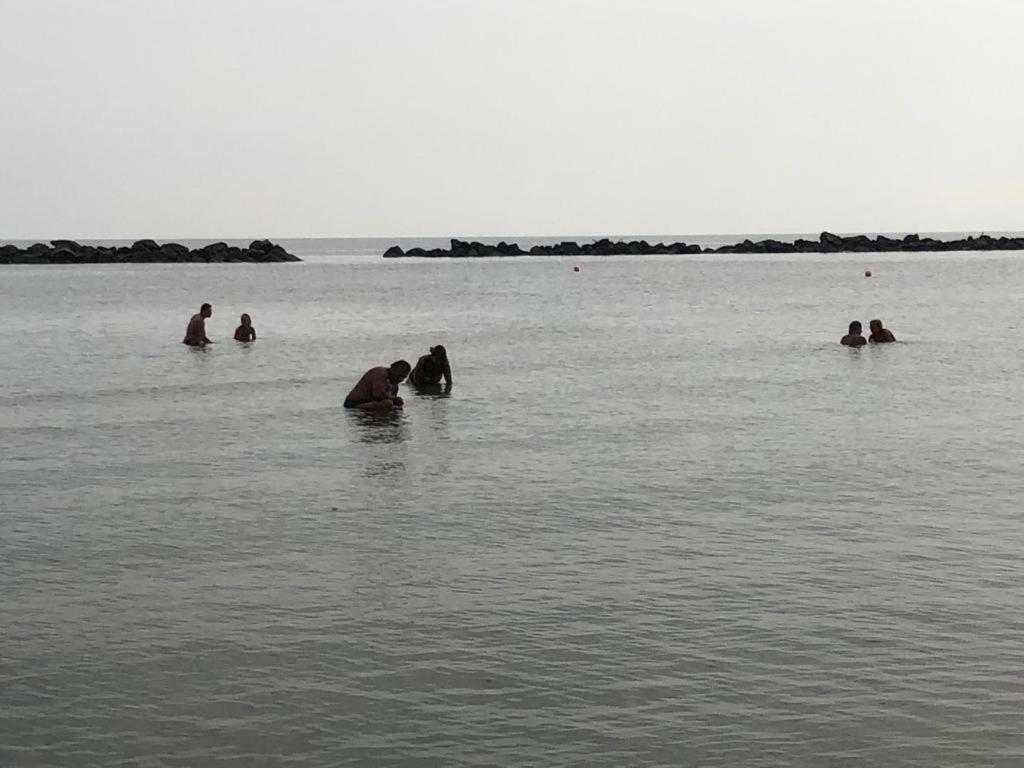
[662,518]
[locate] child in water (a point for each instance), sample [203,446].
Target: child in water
[245,332]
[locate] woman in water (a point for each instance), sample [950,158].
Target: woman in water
[245,332]
[430,369]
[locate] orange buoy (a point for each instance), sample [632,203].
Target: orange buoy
[867,273]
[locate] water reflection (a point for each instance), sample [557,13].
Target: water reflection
[432,391]
[385,434]
[380,426]
[435,459]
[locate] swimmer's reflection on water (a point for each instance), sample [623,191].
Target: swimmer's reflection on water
[381,427]
[435,391]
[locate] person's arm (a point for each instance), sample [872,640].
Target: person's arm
[446,371]
[206,339]
[253,335]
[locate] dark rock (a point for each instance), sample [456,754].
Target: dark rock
[175,253]
[509,249]
[64,256]
[142,251]
[859,242]
[231,253]
[826,243]
[32,257]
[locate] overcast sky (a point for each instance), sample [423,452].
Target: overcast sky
[177,118]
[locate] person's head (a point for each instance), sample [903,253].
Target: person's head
[855,328]
[398,370]
[875,326]
[246,320]
[439,352]
[206,310]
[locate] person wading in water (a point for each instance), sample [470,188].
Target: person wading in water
[377,390]
[430,369]
[195,334]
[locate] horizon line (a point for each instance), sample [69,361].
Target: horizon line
[747,234]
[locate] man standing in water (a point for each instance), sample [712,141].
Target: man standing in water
[855,338]
[377,390]
[195,334]
[879,333]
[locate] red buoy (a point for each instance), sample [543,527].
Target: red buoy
[575,269]
[867,273]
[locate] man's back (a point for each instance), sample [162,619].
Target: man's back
[373,385]
[195,334]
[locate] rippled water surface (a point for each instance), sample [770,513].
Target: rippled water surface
[662,518]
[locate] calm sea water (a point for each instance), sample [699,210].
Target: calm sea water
[662,518]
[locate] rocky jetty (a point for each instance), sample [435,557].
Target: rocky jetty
[142,252]
[826,243]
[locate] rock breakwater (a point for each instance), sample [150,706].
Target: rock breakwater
[142,252]
[826,243]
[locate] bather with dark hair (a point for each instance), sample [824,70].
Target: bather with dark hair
[195,334]
[431,368]
[245,332]
[377,390]
[879,333]
[855,338]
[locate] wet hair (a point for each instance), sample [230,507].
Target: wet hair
[439,351]
[855,326]
[401,365]
[875,325]
[205,306]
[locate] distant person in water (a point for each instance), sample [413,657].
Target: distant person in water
[245,332]
[879,333]
[377,390]
[430,369]
[855,338]
[195,334]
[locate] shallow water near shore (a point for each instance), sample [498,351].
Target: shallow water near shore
[662,518]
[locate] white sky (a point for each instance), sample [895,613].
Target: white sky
[203,118]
